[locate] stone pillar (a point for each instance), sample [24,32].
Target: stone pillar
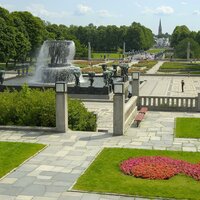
[89,51]
[198,102]
[124,48]
[61,111]
[118,111]
[135,83]
[188,51]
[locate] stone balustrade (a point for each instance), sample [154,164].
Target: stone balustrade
[163,103]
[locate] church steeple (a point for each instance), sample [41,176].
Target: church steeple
[160,29]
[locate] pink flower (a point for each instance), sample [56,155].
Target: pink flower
[159,167]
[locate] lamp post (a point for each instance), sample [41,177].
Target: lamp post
[61,107]
[135,83]
[118,109]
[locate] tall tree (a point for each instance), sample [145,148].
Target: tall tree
[35,29]
[181,49]
[179,33]
[22,47]
[7,42]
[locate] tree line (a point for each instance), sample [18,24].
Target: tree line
[111,38]
[180,38]
[22,34]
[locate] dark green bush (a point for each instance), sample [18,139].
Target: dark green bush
[79,117]
[35,108]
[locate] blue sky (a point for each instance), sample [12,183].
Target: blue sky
[121,12]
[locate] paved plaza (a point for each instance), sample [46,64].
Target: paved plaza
[152,86]
[50,174]
[170,86]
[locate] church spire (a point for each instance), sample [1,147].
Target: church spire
[160,29]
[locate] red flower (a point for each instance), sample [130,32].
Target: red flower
[157,167]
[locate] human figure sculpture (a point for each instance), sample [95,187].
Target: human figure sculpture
[114,70]
[124,71]
[27,67]
[107,77]
[58,53]
[77,80]
[23,69]
[18,71]
[104,67]
[91,78]
[2,73]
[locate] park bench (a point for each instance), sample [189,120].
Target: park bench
[139,117]
[143,110]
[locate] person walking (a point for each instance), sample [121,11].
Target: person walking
[182,85]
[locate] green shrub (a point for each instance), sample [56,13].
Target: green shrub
[35,108]
[79,118]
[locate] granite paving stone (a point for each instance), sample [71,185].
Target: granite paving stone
[52,172]
[34,190]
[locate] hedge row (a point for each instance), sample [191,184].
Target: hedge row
[35,108]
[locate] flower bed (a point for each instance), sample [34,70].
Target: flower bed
[158,167]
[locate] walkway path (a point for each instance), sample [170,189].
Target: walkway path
[104,111]
[155,68]
[50,174]
[170,86]
[154,86]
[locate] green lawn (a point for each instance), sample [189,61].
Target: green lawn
[177,66]
[108,55]
[157,50]
[148,64]
[12,154]
[187,127]
[145,63]
[104,175]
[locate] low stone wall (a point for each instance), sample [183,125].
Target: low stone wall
[159,103]
[130,111]
[74,92]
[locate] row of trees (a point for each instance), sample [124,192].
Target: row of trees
[180,38]
[111,37]
[21,35]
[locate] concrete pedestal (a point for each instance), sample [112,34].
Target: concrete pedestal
[135,87]
[61,112]
[198,103]
[118,114]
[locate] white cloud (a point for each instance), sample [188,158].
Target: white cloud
[184,3]
[196,12]
[162,10]
[83,10]
[138,4]
[40,11]
[104,13]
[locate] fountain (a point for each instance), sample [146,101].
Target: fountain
[54,62]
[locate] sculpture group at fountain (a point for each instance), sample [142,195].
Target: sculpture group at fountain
[110,75]
[58,52]
[54,62]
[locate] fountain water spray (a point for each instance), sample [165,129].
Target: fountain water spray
[54,62]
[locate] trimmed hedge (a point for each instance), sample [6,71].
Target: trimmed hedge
[31,107]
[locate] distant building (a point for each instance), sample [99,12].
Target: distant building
[160,40]
[160,29]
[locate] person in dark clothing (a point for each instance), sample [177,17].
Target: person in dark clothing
[182,85]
